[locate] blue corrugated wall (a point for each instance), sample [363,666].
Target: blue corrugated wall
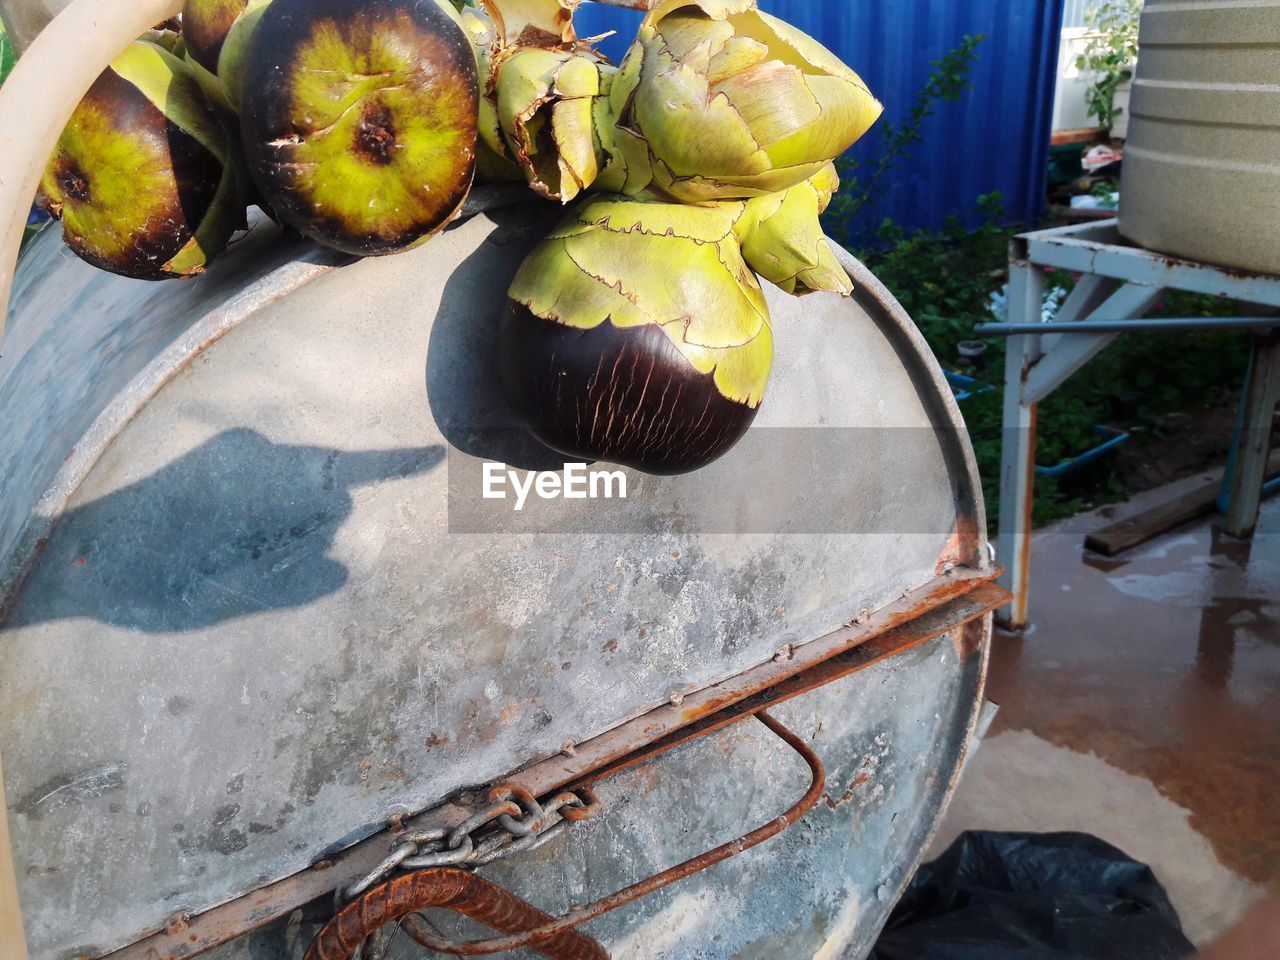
[995,139]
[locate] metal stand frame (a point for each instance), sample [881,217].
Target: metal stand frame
[1118,282]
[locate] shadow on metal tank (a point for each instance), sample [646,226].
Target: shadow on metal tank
[237,526]
[463,385]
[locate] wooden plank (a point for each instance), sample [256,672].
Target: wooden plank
[1061,138]
[1149,524]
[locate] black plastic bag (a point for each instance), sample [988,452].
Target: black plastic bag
[1033,896]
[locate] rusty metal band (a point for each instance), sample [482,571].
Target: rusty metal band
[394,900]
[961,596]
[446,887]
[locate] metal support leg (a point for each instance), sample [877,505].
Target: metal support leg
[1250,456]
[1018,457]
[1035,367]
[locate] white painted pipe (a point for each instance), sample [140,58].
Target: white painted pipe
[35,104]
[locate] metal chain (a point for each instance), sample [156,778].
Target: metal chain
[514,822]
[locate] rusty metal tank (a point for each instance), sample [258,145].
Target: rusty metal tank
[257,611]
[1201,176]
[268,651]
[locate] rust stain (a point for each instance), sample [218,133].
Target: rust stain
[965,641]
[456,890]
[845,797]
[543,935]
[961,548]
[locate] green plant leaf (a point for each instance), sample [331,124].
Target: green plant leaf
[1109,53]
[8,56]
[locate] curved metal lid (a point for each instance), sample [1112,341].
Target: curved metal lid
[274,608]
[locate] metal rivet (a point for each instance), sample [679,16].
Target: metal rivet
[177,923]
[785,652]
[570,749]
[677,698]
[863,616]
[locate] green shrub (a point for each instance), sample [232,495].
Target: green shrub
[8,57]
[1111,49]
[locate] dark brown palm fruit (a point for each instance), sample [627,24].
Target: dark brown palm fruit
[359,120]
[621,395]
[205,26]
[144,176]
[636,334]
[215,35]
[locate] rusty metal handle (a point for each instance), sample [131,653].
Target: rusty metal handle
[418,931]
[466,893]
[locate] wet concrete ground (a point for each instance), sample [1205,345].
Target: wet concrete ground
[1143,706]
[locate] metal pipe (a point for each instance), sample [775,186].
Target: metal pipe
[581,915]
[450,889]
[1143,325]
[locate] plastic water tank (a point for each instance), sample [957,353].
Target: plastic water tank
[1202,163]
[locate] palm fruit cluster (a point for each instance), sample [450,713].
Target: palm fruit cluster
[637,331]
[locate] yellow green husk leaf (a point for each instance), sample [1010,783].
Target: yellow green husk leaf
[782,238]
[532,23]
[545,107]
[760,106]
[630,263]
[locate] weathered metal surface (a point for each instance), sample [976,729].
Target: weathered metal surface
[663,728]
[641,888]
[1246,477]
[892,736]
[1097,248]
[1155,325]
[251,639]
